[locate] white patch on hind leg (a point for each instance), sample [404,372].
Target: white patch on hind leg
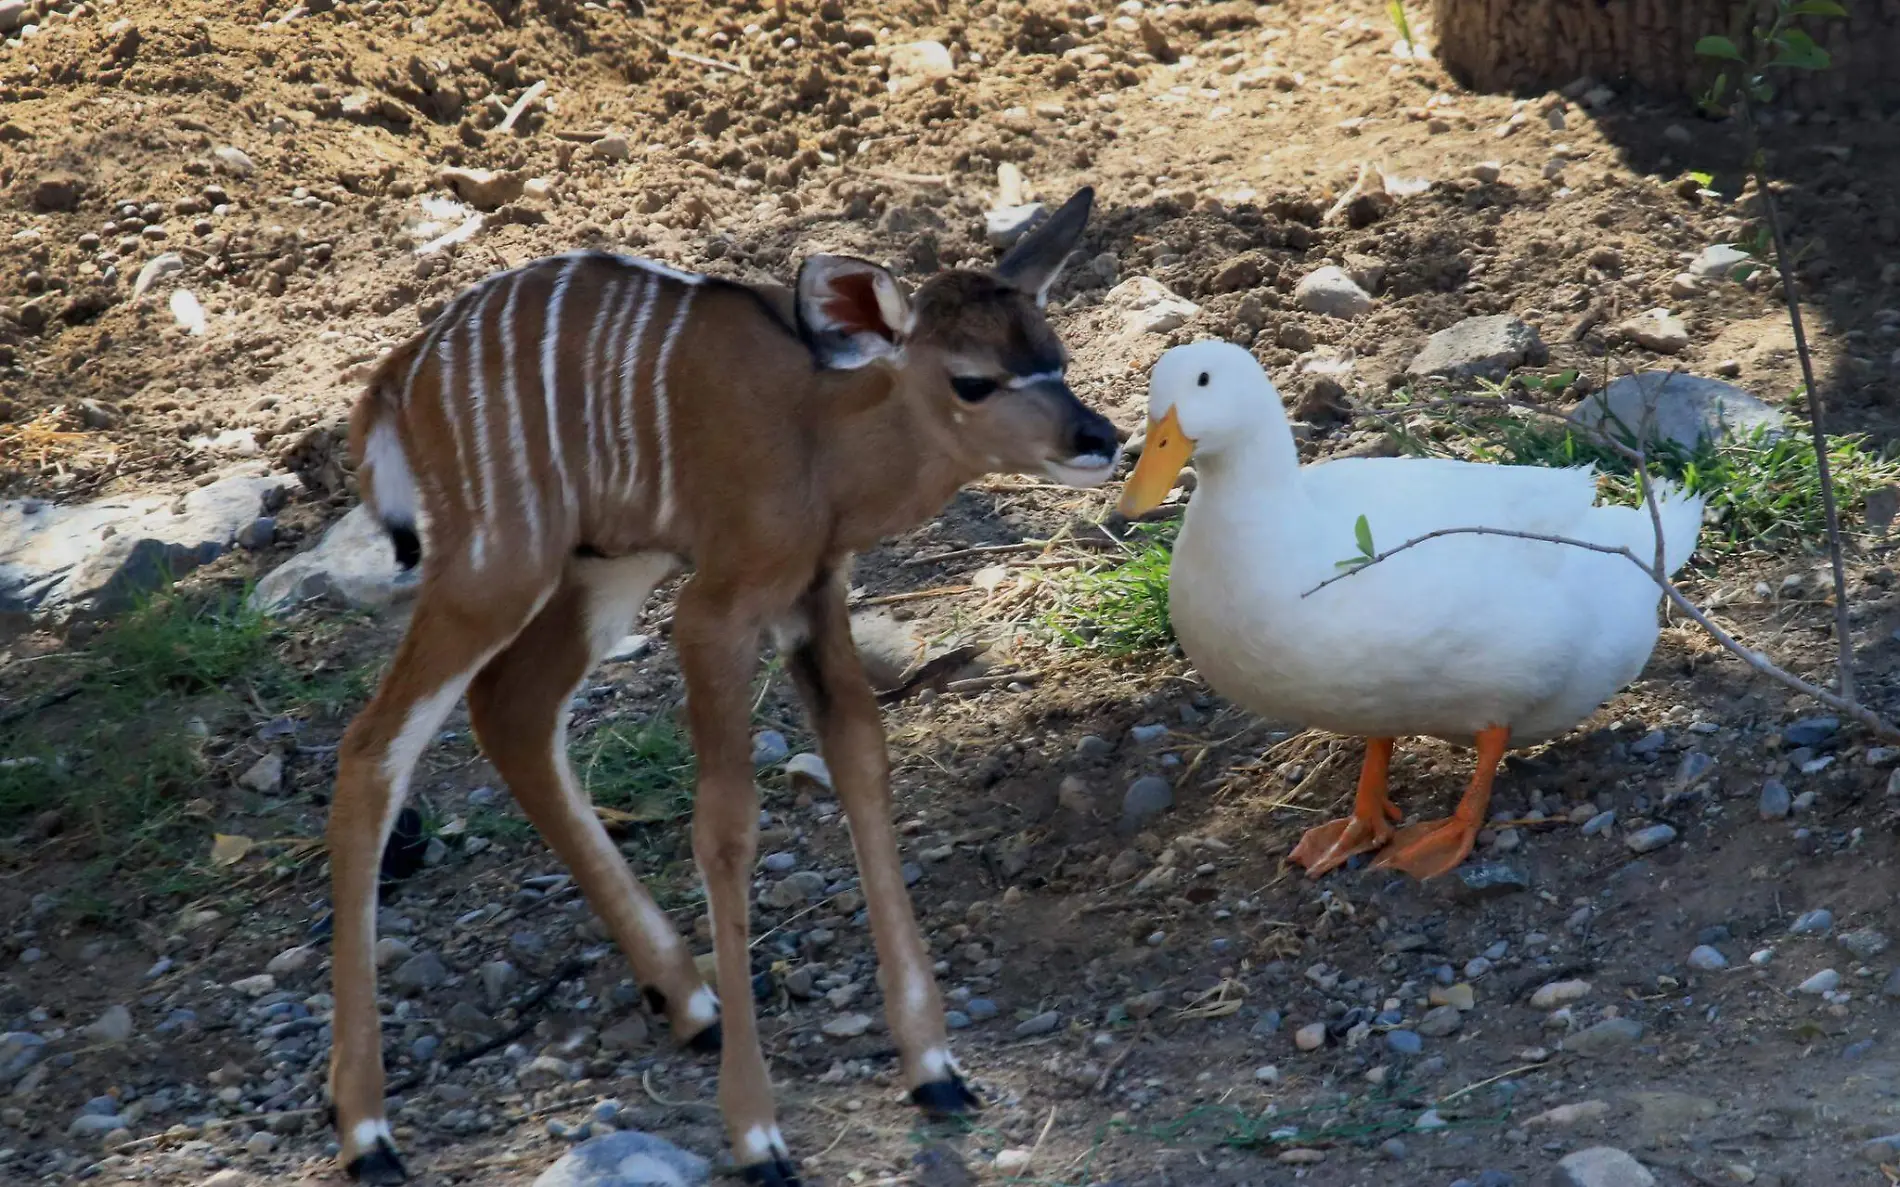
[939,1064]
[364,1135]
[703,1006]
[762,1142]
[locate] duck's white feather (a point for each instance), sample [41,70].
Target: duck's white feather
[1455,635]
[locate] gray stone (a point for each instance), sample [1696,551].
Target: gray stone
[1148,306]
[1775,802]
[100,556]
[1440,1021]
[779,863]
[1146,798]
[1817,922]
[1331,292]
[1825,981]
[794,891]
[1404,1042]
[93,1126]
[259,533]
[631,647]
[1706,959]
[1863,942]
[1602,1166]
[1689,409]
[1092,747]
[1890,988]
[1606,1036]
[13,14]
[847,1026]
[113,1026]
[1599,824]
[895,652]
[19,1050]
[1479,348]
[1041,1024]
[498,979]
[1480,880]
[626,1158]
[769,747]
[421,972]
[1648,840]
[1659,330]
[1811,731]
[265,776]
[1004,225]
[354,565]
[292,960]
[1718,260]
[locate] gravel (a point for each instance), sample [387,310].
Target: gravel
[1648,840]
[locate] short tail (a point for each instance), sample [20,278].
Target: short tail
[383,472]
[1681,514]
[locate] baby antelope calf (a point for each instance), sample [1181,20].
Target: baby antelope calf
[569,432]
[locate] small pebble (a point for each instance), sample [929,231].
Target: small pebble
[1775,801]
[1266,1073]
[1310,1037]
[1404,1042]
[1648,840]
[1707,959]
[1599,824]
[1041,1024]
[1825,981]
[1817,922]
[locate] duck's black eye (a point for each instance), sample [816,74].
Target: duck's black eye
[1202,381]
[972,388]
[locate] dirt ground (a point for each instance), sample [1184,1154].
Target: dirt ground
[291,159]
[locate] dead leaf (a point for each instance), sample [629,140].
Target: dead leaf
[228,849]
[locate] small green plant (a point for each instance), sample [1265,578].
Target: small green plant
[644,770]
[1779,45]
[172,645]
[1122,608]
[1395,9]
[1362,538]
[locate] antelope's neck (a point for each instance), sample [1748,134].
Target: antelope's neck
[882,466]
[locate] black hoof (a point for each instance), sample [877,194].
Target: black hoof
[776,1173]
[945,1098]
[708,1041]
[378,1166]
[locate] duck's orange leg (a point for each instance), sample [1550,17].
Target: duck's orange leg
[1437,846]
[1370,825]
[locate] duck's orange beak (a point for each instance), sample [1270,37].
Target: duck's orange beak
[1168,449]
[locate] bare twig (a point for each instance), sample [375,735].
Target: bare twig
[696,59]
[521,105]
[1752,658]
[1836,559]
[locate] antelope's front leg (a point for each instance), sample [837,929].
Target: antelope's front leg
[844,711]
[718,640]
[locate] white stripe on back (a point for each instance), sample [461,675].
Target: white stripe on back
[611,380]
[478,403]
[550,377]
[590,385]
[659,269]
[662,418]
[629,375]
[452,409]
[517,436]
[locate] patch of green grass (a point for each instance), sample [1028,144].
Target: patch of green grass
[644,770]
[1763,489]
[1122,608]
[173,645]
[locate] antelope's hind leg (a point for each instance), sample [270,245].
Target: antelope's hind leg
[449,639]
[519,708]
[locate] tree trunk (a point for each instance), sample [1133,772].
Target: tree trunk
[1507,45]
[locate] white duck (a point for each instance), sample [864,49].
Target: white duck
[1468,638]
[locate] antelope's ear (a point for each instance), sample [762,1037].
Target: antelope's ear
[851,312]
[1037,259]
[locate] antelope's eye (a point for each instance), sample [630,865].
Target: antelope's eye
[1202,382]
[971,388]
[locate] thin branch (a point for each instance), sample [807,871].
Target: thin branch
[1753,659]
[1836,559]
[696,59]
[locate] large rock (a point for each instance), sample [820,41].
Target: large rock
[897,655]
[100,556]
[1331,292]
[626,1159]
[1689,409]
[1478,348]
[1602,1166]
[353,565]
[1148,306]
